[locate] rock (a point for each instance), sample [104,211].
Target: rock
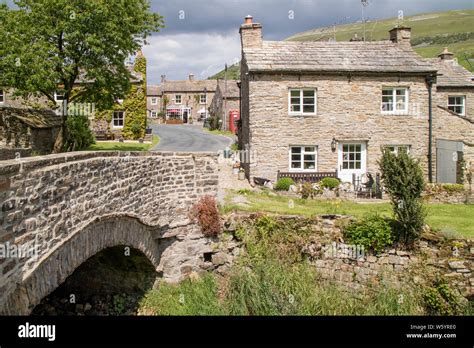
[293,188]
[402,253]
[395,260]
[87,307]
[456,264]
[371,259]
[392,252]
[463,270]
[219,259]
[79,308]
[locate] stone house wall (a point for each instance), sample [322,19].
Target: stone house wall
[347,110]
[217,106]
[447,126]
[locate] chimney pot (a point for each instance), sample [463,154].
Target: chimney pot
[250,33]
[446,55]
[163,78]
[191,77]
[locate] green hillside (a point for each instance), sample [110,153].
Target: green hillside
[431,32]
[233,73]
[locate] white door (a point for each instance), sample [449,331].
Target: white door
[352,158]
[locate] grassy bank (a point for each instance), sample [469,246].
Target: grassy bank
[452,219]
[118,146]
[274,277]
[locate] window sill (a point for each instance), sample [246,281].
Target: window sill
[302,115]
[401,113]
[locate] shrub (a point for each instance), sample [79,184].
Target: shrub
[441,300]
[136,129]
[284,184]
[373,232]
[307,191]
[403,180]
[205,212]
[78,135]
[330,183]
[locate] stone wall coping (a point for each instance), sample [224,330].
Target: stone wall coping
[12,167]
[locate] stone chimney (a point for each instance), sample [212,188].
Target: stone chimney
[163,78]
[446,55]
[251,33]
[191,77]
[401,35]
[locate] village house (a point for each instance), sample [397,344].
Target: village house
[226,104]
[181,101]
[126,119]
[329,108]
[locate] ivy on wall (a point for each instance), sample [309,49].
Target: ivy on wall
[134,106]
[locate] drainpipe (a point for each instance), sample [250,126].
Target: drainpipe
[430,80]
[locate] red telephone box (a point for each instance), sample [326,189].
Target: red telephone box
[234,116]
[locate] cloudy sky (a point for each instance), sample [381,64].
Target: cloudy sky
[202,35]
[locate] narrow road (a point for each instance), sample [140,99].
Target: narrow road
[188,138]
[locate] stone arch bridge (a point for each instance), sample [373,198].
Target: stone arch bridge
[59,210]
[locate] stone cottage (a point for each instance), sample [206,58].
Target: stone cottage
[331,107]
[127,118]
[26,131]
[181,101]
[226,101]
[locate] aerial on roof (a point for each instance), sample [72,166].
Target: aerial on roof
[451,74]
[332,56]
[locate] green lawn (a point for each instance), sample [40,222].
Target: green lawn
[450,219]
[221,132]
[118,146]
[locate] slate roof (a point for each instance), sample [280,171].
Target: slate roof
[35,118]
[334,56]
[189,86]
[233,90]
[153,90]
[451,74]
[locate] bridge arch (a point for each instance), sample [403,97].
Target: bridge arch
[100,234]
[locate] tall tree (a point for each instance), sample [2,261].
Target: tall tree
[51,45]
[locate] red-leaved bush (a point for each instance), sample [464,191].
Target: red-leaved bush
[206,214]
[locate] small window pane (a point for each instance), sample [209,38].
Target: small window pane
[309,149]
[308,108]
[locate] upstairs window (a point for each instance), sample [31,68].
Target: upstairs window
[395,101]
[2,96]
[154,101]
[303,158]
[118,119]
[397,149]
[154,114]
[457,104]
[203,99]
[302,101]
[177,99]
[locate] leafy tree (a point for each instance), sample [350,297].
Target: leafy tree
[403,180]
[51,45]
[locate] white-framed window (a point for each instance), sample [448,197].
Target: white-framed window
[177,99]
[352,156]
[58,97]
[118,119]
[2,96]
[396,149]
[303,158]
[154,114]
[457,104]
[202,99]
[302,101]
[395,101]
[154,101]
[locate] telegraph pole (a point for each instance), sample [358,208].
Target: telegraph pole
[225,98]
